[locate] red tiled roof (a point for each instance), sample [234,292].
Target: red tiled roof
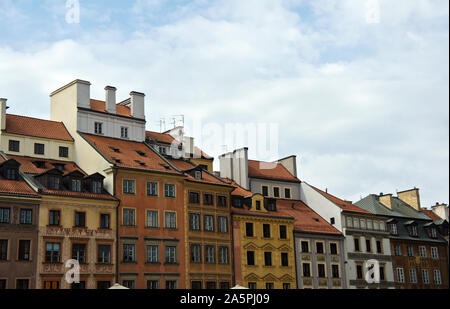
[246,211]
[272,171]
[238,190]
[27,166]
[100,106]
[16,188]
[37,127]
[128,154]
[431,214]
[206,177]
[344,205]
[201,153]
[160,137]
[79,194]
[306,220]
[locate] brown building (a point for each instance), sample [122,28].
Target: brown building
[19,212]
[208,228]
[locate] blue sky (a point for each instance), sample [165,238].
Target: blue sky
[363,105]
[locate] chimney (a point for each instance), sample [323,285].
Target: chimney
[386,200]
[290,163]
[110,99]
[3,113]
[137,104]
[410,197]
[441,210]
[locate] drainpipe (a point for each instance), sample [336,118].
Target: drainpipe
[295,260]
[117,227]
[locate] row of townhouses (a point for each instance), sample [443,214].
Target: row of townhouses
[146,210]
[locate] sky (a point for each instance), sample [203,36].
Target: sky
[358,89]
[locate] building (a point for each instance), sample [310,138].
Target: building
[366,236]
[208,228]
[319,248]
[264,256]
[271,179]
[419,252]
[19,214]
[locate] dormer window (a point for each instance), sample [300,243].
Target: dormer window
[124,132]
[414,230]
[54,182]
[96,187]
[394,230]
[115,149]
[433,232]
[163,150]
[59,166]
[198,175]
[12,174]
[98,128]
[76,185]
[141,153]
[39,164]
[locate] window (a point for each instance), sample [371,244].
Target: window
[379,246]
[265,190]
[414,230]
[400,275]
[63,152]
[152,218]
[196,285]
[79,286]
[268,258]
[356,242]
[433,232]
[103,285]
[12,174]
[54,217]
[124,132]
[333,248]
[169,190]
[22,284]
[222,201]
[129,253]
[356,223]
[270,286]
[105,220]
[225,285]
[26,216]
[104,254]
[223,255]
[208,199]
[250,258]
[283,233]
[24,250]
[79,253]
[434,253]
[332,220]
[130,284]
[306,270]
[368,245]
[413,275]
[252,285]
[171,284]
[335,271]
[369,225]
[80,219]
[266,230]
[54,182]
[437,277]
[319,247]
[128,217]
[3,249]
[276,192]
[51,285]
[397,250]
[410,250]
[382,276]
[321,270]
[423,252]
[284,259]
[96,187]
[14,146]
[209,223]
[258,205]
[152,284]
[4,215]
[249,229]
[359,272]
[153,254]
[305,246]
[211,285]
[210,254]
[2,284]
[376,225]
[349,222]
[362,223]
[171,220]
[425,276]
[198,175]
[128,186]
[171,255]
[194,198]
[152,188]
[394,230]
[52,252]
[196,253]
[98,128]
[39,148]
[286,286]
[194,222]
[222,224]
[287,193]
[76,185]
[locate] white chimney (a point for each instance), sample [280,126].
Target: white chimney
[137,104]
[110,99]
[3,113]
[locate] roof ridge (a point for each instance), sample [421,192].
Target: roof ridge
[54,121]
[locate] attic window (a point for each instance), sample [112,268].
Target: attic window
[198,175]
[115,149]
[59,166]
[141,153]
[39,164]
[117,160]
[139,162]
[12,174]
[165,166]
[315,219]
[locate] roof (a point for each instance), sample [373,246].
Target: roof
[207,177]
[344,205]
[306,219]
[14,187]
[431,215]
[278,172]
[238,190]
[100,106]
[37,128]
[127,154]
[269,214]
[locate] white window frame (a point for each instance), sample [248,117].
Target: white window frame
[434,253]
[413,275]
[400,275]
[437,277]
[425,276]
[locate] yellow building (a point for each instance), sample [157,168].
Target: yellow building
[263,243]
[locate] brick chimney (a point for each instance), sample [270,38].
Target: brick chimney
[410,197]
[386,200]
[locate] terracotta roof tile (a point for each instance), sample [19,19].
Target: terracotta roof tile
[238,190]
[247,211]
[344,205]
[306,219]
[269,170]
[127,155]
[160,137]
[206,177]
[27,166]
[16,188]
[37,127]
[431,214]
[100,106]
